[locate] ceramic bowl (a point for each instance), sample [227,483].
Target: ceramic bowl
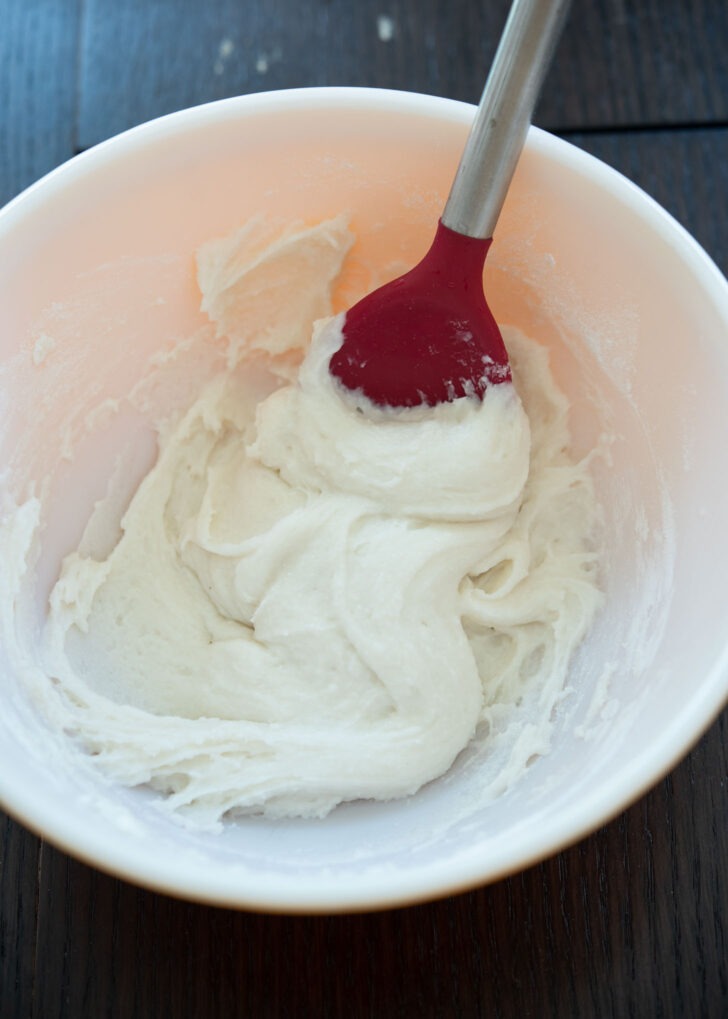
[97,275]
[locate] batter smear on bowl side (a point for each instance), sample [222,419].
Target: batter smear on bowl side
[316,600]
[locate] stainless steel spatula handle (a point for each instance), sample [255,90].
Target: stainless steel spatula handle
[504,114]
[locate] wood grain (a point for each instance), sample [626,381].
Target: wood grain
[628,922]
[38,58]
[653,62]
[19,861]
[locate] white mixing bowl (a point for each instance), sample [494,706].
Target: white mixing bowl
[96,274]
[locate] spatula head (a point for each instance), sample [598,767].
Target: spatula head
[427,337]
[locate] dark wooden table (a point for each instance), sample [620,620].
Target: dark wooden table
[632,921]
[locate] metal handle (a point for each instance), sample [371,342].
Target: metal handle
[504,114]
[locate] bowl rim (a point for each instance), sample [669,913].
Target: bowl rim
[377,889]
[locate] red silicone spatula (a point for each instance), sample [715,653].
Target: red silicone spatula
[429,336]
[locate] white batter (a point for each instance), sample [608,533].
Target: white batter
[314,602]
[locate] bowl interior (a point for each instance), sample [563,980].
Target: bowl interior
[98,276]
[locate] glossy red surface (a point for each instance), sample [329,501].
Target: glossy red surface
[428,336]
